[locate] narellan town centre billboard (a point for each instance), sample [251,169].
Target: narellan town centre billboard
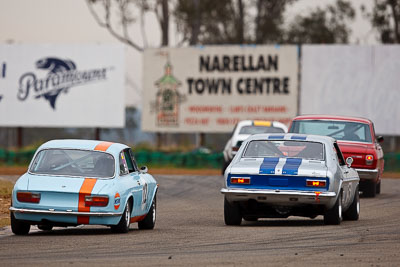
[211,88]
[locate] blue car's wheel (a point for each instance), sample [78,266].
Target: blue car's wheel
[18,227]
[150,220]
[123,225]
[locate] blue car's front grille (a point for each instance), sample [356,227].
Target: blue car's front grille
[278,182]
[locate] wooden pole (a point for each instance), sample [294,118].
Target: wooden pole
[19,137]
[97,133]
[158,140]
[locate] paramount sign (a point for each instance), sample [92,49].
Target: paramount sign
[62,75]
[62,85]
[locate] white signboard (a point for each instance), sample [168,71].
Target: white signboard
[360,81]
[62,86]
[211,88]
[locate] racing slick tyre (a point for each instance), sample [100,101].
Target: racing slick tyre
[149,221]
[378,187]
[18,227]
[333,216]
[250,218]
[353,212]
[123,225]
[232,214]
[370,189]
[45,227]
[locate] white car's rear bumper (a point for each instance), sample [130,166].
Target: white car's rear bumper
[283,197]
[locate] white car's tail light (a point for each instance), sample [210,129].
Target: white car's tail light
[28,197]
[240,180]
[316,183]
[96,201]
[369,159]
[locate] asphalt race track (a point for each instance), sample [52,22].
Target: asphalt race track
[190,231]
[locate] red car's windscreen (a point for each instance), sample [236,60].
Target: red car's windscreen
[340,130]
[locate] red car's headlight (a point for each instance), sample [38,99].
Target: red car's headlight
[28,197]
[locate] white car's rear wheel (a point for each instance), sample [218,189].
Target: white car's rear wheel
[353,212]
[232,214]
[334,215]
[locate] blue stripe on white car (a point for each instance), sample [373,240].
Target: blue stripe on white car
[292,166]
[298,137]
[268,166]
[276,137]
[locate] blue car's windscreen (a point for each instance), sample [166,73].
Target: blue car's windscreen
[70,162]
[284,149]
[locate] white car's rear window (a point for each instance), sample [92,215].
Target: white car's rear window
[72,162]
[251,129]
[284,148]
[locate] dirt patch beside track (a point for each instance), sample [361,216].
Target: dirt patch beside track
[5,201]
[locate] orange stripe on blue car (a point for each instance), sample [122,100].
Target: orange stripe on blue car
[86,190]
[103,146]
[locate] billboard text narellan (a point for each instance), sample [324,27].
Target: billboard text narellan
[225,64]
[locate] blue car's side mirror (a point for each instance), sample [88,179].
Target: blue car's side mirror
[143,169]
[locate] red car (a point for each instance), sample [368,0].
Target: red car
[356,138]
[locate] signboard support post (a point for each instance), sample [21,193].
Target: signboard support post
[19,137]
[97,133]
[158,140]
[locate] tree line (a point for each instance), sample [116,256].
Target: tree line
[205,22]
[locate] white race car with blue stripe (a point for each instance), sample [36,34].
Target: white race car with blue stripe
[282,175]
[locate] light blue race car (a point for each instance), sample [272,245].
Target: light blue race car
[74,182]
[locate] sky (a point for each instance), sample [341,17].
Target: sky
[70,22]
